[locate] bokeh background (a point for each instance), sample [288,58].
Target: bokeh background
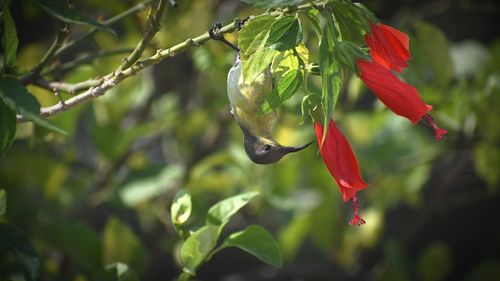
[102,193]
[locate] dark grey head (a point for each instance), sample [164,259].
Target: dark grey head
[263,151]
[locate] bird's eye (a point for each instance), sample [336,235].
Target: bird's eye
[267,147]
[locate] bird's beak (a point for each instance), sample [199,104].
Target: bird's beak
[289,149]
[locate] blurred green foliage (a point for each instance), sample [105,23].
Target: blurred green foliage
[96,202]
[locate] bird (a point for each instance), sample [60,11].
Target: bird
[245,102]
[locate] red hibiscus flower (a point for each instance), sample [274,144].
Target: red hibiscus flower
[389,47]
[342,164]
[403,99]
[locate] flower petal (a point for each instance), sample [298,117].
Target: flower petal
[389,47]
[340,160]
[403,99]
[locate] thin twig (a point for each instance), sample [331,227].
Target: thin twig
[61,34]
[82,38]
[66,87]
[84,60]
[152,29]
[111,80]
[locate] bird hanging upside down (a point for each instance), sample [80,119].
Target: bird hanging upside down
[245,101]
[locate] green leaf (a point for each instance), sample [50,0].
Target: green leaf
[253,33]
[351,21]
[117,272]
[197,247]
[431,51]
[258,62]
[313,16]
[273,3]
[9,38]
[76,240]
[144,185]
[258,242]
[15,96]
[220,213]
[285,34]
[121,244]
[62,11]
[288,60]
[181,207]
[3,201]
[287,86]
[330,79]
[14,242]
[324,63]
[7,127]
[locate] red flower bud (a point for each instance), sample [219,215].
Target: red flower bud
[389,47]
[340,160]
[403,99]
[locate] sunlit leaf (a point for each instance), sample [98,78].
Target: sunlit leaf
[285,34]
[258,62]
[197,247]
[220,213]
[14,242]
[287,86]
[252,34]
[76,240]
[117,272]
[258,242]
[273,3]
[7,127]
[9,38]
[181,207]
[15,96]
[62,11]
[288,60]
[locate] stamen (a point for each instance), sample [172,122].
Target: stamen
[439,132]
[357,220]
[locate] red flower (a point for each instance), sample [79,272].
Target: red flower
[389,47]
[342,164]
[403,99]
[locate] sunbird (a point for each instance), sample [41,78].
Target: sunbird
[245,101]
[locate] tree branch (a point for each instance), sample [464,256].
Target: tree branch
[112,79]
[66,87]
[152,29]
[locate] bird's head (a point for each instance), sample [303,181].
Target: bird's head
[266,151]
